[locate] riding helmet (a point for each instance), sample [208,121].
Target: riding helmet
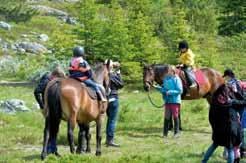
[78,51]
[183,44]
[229,72]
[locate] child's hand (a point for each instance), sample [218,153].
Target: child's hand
[155,85]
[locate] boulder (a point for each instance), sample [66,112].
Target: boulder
[32,47]
[50,11]
[12,106]
[5,25]
[43,37]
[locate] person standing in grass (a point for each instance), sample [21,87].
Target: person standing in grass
[225,122]
[44,80]
[171,90]
[116,83]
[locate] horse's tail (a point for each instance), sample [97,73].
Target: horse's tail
[54,105]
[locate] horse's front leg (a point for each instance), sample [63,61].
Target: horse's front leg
[45,139]
[88,138]
[70,127]
[99,135]
[81,139]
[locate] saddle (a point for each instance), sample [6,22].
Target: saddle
[196,74]
[92,93]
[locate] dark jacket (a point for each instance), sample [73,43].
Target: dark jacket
[115,84]
[224,119]
[40,88]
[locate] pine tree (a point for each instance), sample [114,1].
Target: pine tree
[16,10]
[233,18]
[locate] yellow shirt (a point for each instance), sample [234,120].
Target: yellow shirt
[187,58]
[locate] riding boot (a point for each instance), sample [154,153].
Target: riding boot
[101,97]
[176,127]
[165,127]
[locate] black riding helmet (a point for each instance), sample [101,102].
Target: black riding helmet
[183,44]
[79,51]
[229,72]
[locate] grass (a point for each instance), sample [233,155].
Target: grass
[139,131]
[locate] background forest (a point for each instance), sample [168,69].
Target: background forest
[130,31]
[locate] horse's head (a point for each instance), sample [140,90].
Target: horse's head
[148,76]
[101,74]
[154,73]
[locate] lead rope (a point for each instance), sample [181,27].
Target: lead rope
[151,101]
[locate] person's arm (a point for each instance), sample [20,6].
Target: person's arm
[117,80]
[178,90]
[84,66]
[38,97]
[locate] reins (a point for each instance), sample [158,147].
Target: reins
[151,101]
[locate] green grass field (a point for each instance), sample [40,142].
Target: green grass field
[139,132]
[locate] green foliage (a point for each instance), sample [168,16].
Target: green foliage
[16,10]
[135,31]
[233,20]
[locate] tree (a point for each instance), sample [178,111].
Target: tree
[16,10]
[233,18]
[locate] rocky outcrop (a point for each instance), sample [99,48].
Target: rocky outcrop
[12,106]
[31,47]
[48,11]
[62,15]
[43,37]
[5,25]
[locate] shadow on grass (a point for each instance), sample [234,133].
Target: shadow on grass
[140,132]
[32,157]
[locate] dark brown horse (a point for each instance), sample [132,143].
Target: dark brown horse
[69,100]
[212,80]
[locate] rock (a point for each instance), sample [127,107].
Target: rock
[12,106]
[21,50]
[5,25]
[43,37]
[32,47]
[71,20]
[48,11]
[24,35]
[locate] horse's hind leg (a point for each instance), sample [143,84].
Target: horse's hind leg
[45,139]
[54,128]
[70,127]
[88,138]
[81,139]
[99,136]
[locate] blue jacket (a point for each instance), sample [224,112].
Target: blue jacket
[171,89]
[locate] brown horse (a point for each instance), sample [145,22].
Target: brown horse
[212,80]
[69,100]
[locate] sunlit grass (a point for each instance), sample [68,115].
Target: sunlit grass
[139,131]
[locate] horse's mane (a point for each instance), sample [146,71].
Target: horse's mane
[159,68]
[98,69]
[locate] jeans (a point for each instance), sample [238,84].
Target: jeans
[211,150]
[112,113]
[92,84]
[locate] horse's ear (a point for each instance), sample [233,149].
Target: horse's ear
[143,64]
[107,63]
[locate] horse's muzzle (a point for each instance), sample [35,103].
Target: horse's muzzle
[146,87]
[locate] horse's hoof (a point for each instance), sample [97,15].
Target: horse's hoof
[98,153]
[80,152]
[57,154]
[88,150]
[43,155]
